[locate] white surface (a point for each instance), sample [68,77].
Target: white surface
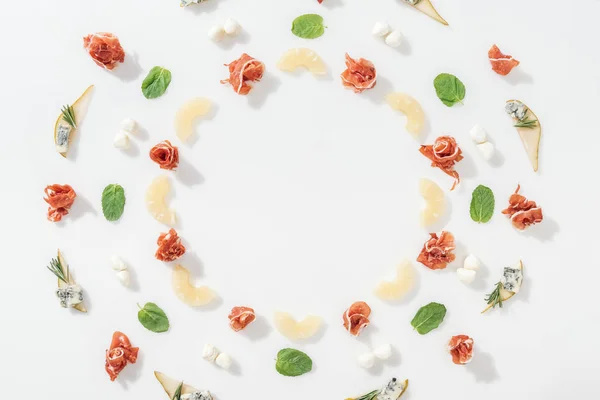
[300,197]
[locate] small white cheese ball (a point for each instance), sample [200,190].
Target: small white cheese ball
[121,140]
[210,352]
[487,150]
[124,277]
[394,39]
[466,276]
[366,360]
[224,361]
[380,29]
[478,134]
[472,263]
[231,26]
[383,352]
[117,263]
[128,126]
[216,33]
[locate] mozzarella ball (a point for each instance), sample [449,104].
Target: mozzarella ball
[129,126]
[124,277]
[383,352]
[466,276]
[381,29]
[366,360]
[478,134]
[117,264]
[216,33]
[231,26]
[472,263]
[224,361]
[394,39]
[487,150]
[121,140]
[210,352]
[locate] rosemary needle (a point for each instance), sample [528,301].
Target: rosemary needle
[68,115]
[177,395]
[495,298]
[57,269]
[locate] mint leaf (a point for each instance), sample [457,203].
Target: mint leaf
[449,89]
[482,204]
[428,317]
[153,318]
[113,202]
[156,82]
[292,362]
[308,26]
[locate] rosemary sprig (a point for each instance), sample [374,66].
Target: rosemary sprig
[495,298]
[69,115]
[369,396]
[526,123]
[177,395]
[57,269]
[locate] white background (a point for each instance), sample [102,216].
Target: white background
[300,197]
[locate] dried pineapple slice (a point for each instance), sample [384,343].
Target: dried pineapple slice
[79,109]
[415,117]
[188,293]
[302,57]
[155,201]
[435,202]
[400,286]
[288,327]
[188,114]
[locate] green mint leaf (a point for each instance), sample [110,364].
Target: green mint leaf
[153,318]
[156,83]
[292,362]
[428,317]
[308,26]
[449,89]
[482,204]
[113,202]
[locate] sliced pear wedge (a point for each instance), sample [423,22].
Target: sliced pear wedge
[435,201]
[156,201]
[79,110]
[394,395]
[400,286]
[81,306]
[302,57]
[415,117]
[293,330]
[188,293]
[170,385]
[185,119]
[427,8]
[505,294]
[530,137]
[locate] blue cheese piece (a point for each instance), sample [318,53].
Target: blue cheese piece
[412,2]
[392,391]
[185,3]
[70,295]
[516,109]
[201,395]
[512,278]
[62,138]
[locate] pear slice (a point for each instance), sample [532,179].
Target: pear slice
[288,327]
[79,109]
[186,116]
[170,385]
[530,136]
[188,293]
[400,286]
[156,203]
[435,201]
[81,306]
[506,294]
[302,57]
[392,396]
[427,8]
[415,117]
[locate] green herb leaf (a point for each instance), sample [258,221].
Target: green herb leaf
[57,269]
[68,115]
[308,26]
[177,394]
[156,83]
[153,318]
[292,362]
[449,89]
[482,204]
[428,317]
[495,297]
[113,202]
[526,123]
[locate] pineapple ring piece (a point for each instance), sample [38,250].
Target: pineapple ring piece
[288,327]
[187,115]
[415,117]
[302,57]
[400,286]
[186,292]
[156,203]
[435,201]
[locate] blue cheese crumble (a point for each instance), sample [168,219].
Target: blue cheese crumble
[512,279]
[185,3]
[70,295]
[412,2]
[62,137]
[391,391]
[202,395]
[516,109]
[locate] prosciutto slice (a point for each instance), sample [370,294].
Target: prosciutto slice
[170,247]
[241,317]
[523,212]
[437,252]
[359,75]
[242,70]
[444,153]
[60,198]
[165,155]
[120,353]
[105,49]
[502,64]
[356,318]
